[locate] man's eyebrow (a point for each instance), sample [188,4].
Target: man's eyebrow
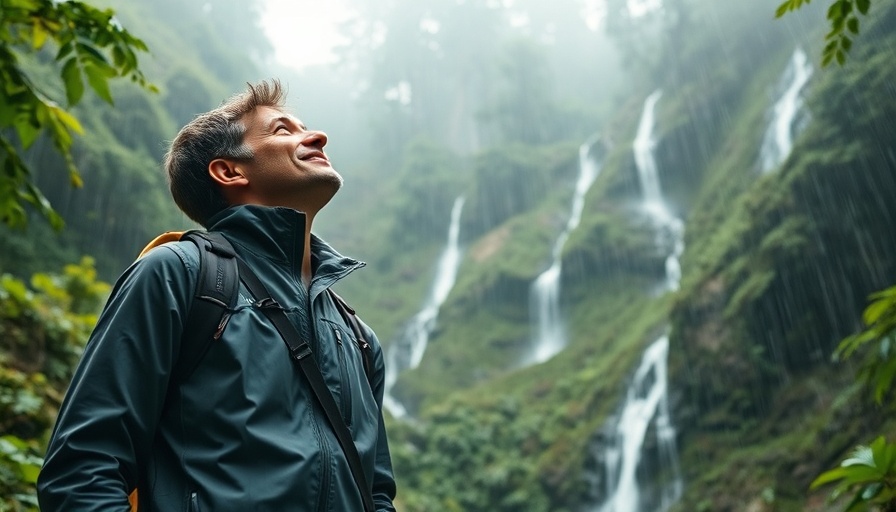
[288,120]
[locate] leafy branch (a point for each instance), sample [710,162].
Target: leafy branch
[92,47]
[870,472]
[843,16]
[877,342]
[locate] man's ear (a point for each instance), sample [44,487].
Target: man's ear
[226,173]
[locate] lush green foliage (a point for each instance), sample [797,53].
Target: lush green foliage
[124,201]
[43,329]
[878,344]
[869,474]
[90,46]
[769,266]
[844,19]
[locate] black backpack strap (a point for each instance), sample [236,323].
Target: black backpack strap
[351,318]
[214,299]
[300,352]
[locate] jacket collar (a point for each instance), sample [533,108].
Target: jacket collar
[277,234]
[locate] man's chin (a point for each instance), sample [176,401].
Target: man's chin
[330,184]
[335,179]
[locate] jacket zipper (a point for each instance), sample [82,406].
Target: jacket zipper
[321,424]
[345,386]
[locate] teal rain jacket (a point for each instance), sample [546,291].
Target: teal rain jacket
[244,431]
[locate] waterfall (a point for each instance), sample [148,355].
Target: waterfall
[643,147]
[407,352]
[785,114]
[544,295]
[647,399]
[670,229]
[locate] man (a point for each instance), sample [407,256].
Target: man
[243,431]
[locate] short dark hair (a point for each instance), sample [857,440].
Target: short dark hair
[215,134]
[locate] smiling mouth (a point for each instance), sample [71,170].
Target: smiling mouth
[315,157]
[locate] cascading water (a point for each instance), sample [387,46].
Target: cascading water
[670,228]
[786,112]
[407,352]
[643,147]
[544,295]
[647,401]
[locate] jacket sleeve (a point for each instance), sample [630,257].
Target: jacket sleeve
[383,477]
[110,412]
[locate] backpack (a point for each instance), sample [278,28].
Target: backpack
[216,295]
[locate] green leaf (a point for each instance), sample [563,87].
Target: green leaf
[884,381]
[837,25]
[27,130]
[841,57]
[38,35]
[863,6]
[73,175]
[118,57]
[782,9]
[845,43]
[853,25]
[875,310]
[828,476]
[36,198]
[879,452]
[71,77]
[59,134]
[64,50]
[835,11]
[98,81]
[29,471]
[92,54]
[67,119]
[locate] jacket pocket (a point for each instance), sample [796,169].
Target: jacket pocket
[345,391]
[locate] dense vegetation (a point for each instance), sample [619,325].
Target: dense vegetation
[454,99]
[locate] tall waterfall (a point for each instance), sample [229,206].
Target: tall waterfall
[647,399]
[785,114]
[670,229]
[643,147]
[544,295]
[407,352]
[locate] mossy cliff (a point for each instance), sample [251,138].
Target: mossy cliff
[777,269]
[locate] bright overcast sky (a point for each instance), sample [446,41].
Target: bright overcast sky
[303,32]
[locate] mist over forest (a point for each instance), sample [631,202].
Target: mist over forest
[612,246]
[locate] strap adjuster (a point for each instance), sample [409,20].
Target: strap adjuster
[300,352]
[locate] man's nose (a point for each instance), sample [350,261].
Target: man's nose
[315,139]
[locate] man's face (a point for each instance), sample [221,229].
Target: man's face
[289,167]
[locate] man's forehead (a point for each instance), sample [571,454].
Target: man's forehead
[265,115]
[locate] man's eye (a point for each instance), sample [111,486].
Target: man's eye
[282,129]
